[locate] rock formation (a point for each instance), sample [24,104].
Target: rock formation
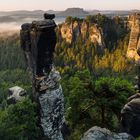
[130,120]
[84,30]
[71,31]
[96,35]
[38,41]
[97,133]
[51,102]
[134,41]
[15,94]
[131,116]
[66,32]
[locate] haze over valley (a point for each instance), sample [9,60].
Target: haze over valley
[12,20]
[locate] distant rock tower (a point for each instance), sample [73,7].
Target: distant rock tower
[70,32]
[130,114]
[134,41]
[38,40]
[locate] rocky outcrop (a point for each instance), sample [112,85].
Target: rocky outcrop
[134,41]
[131,116]
[96,35]
[38,40]
[51,102]
[66,32]
[16,94]
[70,32]
[130,120]
[84,30]
[97,133]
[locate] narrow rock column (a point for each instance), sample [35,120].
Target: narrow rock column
[38,40]
[51,102]
[130,113]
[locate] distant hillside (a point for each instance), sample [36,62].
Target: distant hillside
[93,12]
[113,12]
[4,19]
[67,12]
[73,12]
[21,15]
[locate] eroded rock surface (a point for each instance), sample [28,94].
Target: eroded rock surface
[134,41]
[71,31]
[51,102]
[131,116]
[38,42]
[66,32]
[97,133]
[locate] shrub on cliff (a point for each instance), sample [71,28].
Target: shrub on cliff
[18,122]
[90,102]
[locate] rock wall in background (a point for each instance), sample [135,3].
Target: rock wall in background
[134,41]
[70,32]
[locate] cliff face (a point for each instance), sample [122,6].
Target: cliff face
[134,41]
[130,116]
[70,32]
[52,106]
[46,88]
[66,32]
[96,35]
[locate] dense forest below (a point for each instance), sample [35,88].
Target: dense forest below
[96,84]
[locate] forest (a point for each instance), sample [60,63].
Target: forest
[95,85]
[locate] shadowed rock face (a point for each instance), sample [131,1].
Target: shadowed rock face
[15,94]
[131,116]
[38,40]
[134,41]
[47,90]
[97,133]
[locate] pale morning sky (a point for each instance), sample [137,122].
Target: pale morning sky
[7,5]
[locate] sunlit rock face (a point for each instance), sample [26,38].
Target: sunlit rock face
[66,32]
[70,32]
[96,35]
[131,116]
[84,30]
[97,133]
[16,94]
[134,41]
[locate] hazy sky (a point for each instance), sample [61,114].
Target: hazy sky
[8,5]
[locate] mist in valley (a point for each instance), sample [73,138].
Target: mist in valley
[9,28]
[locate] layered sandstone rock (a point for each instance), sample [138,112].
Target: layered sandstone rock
[70,32]
[96,35]
[134,41]
[51,102]
[66,32]
[84,30]
[131,116]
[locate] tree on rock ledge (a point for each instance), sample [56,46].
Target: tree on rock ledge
[90,102]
